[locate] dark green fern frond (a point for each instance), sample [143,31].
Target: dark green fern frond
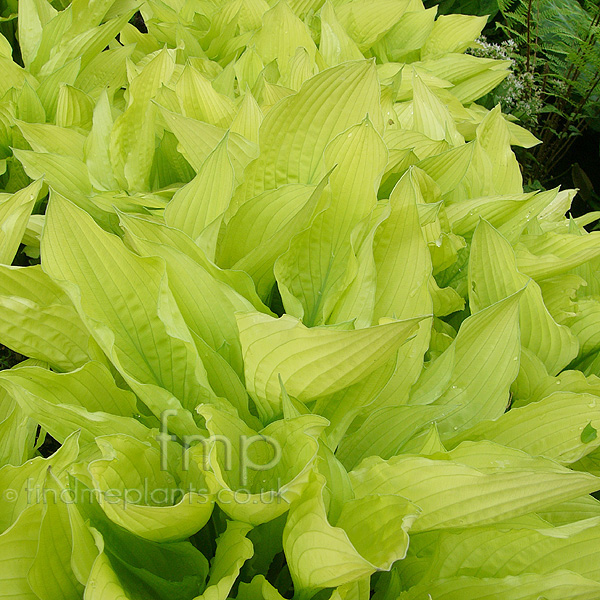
[558,62]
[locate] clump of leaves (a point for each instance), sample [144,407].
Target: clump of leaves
[296,327]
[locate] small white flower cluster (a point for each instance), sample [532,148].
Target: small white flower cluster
[503,51]
[519,93]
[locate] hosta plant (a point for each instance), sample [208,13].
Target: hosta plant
[291,320]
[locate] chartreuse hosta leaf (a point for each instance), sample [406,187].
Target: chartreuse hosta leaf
[370,534]
[44,137]
[233,549]
[132,137]
[207,305]
[61,547]
[335,46]
[386,430]
[74,108]
[278,215]
[452,33]
[367,21]
[357,301]
[66,550]
[461,376]
[15,211]
[18,547]
[579,509]
[18,433]
[426,442]
[295,133]
[493,137]
[479,85]
[589,463]
[551,254]
[152,503]
[33,16]
[66,175]
[560,418]
[496,483]
[323,249]
[248,119]
[97,146]
[259,589]
[401,256]
[112,306]
[85,400]
[567,381]
[341,408]
[430,116]
[509,214]
[39,320]
[357,590]
[128,566]
[493,275]
[553,586]
[196,205]
[38,532]
[198,139]
[403,283]
[29,107]
[272,213]
[516,552]
[255,475]
[449,168]
[584,326]
[24,483]
[352,356]
[49,88]
[152,231]
[281,33]
[200,100]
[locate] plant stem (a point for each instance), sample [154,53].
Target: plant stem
[528,63]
